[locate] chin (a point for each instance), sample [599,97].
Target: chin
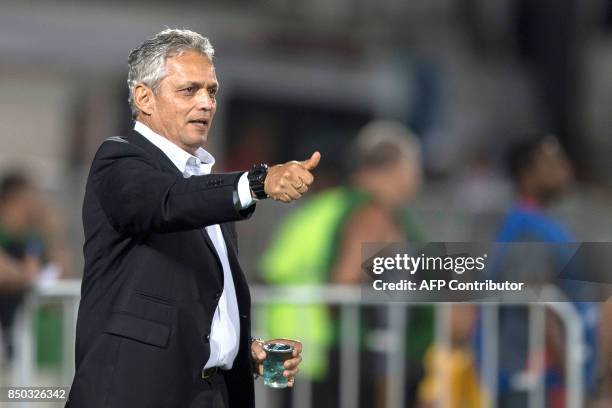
[197,140]
[201,137]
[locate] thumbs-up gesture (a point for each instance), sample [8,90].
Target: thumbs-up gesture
[287,182]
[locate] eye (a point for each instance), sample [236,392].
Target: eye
[212,92]
[188,90]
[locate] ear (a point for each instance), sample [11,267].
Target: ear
[144,99]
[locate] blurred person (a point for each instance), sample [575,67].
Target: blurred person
[321,243]
[32,247]
[541,173]
[164,318]
[20,251]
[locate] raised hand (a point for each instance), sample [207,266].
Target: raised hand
[288,182]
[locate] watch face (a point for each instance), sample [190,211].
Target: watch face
[260,172]
[261,175]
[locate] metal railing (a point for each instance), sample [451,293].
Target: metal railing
[349,301]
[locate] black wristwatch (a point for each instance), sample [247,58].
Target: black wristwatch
[257,177]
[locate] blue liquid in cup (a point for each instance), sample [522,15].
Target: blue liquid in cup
[276,355]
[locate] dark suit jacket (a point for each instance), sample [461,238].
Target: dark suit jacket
[152,282]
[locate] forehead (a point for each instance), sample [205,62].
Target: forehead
[190,66]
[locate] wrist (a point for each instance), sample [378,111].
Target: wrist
[257,178]
[261,343]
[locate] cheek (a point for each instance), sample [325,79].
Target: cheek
[165,110]
[179,115]
[169,108]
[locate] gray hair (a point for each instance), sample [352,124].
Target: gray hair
[147,62]
[382,141]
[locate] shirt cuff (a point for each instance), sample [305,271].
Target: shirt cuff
[244,192]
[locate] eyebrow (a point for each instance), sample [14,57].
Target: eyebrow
[182,85]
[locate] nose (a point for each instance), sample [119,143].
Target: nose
[205,101]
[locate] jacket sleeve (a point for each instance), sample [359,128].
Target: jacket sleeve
[139,198]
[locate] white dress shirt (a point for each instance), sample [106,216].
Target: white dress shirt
[225,330]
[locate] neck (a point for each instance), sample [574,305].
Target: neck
[151,124]
[529,201]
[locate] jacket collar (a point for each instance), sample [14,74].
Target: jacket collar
[201,162]
[160,157]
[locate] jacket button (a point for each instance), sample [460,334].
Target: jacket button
[218,295]
[207,338]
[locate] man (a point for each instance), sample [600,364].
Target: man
[542,174]
[164,319]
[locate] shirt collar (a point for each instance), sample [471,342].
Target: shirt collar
[188,164]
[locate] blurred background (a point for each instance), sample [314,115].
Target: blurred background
[464,83]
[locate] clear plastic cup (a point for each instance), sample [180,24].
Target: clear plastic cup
[276,355]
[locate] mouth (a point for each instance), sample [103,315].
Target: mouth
[200,123]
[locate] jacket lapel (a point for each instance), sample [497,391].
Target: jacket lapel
[212,248]
[168,166]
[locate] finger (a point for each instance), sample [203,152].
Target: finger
[295,174]
[291,363]
[260,369]
[281,196]
[290,382]
[306,177]
[313,162]
[300,186]
[291,373]
[292,193]
[299,175]
[297,349]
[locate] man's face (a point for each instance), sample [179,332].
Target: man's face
[183,108]
[553,172]
[550,174]
[403,179]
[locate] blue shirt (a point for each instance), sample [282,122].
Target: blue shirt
[525,223]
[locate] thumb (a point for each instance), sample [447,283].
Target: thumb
[313,162]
